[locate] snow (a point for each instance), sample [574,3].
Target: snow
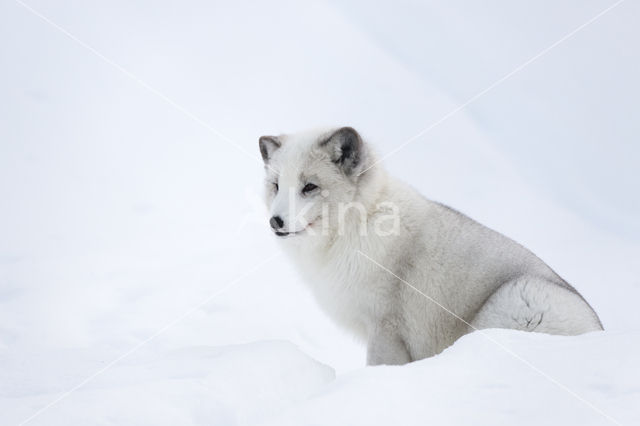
[136,267]
[477,382]
[228,384]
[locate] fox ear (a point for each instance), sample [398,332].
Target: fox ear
[345,148]
[268,144]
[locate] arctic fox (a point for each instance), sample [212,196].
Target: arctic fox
[407,275]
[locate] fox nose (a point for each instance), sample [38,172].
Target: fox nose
[276,222]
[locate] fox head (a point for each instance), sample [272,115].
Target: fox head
[310,177]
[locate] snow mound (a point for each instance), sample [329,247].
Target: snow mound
[196,385]
[590,379]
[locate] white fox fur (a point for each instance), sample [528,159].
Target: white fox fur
[381,258]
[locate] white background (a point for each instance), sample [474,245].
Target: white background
[123,207]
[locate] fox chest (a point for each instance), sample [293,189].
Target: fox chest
[349,292]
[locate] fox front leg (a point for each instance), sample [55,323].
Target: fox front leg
[386,347]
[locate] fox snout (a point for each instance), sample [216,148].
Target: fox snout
[276,223]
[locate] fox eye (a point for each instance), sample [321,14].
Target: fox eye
[308,188]
[275,185]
